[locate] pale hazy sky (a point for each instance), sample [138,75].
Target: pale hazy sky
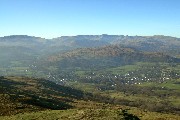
[53,18]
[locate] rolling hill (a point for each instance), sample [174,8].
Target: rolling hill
[108,56]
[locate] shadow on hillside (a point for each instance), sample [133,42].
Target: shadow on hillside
[59,90]
[40,98]
[128,116]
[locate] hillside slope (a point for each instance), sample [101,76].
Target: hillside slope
[108,56]
[21,94]
[37,98]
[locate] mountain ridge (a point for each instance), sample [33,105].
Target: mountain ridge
[156,43]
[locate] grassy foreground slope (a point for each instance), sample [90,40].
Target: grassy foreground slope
[88,114]
[28,99]
[22,94]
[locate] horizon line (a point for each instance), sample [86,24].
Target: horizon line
[88,35]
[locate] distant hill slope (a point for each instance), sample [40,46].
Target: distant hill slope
[107,56]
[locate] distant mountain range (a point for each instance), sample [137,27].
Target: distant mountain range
[23,50]
[158,43]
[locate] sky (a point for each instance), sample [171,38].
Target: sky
[55,18]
